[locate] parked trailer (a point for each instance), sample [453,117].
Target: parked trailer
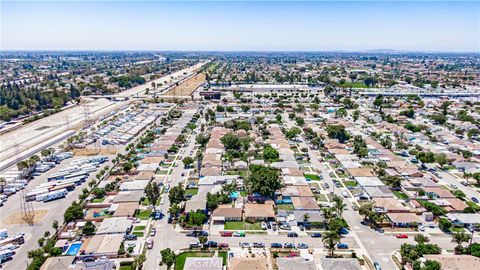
[5,255]
[16,186]
[53,195]
[57,176]
[32,195]
[16,240]
[68,187]
[67,175]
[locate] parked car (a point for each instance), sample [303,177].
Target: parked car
[292,234]
[239,234]
[264,225]
[302,246]
[401,235]
[380,230]
[326,185]
[210,244]
[245,245]
[342,246]
[365,223]
[475,200]
[223,245]
[285,227]
[195,245]
[288,245]
[276,245]
[153,232]
[226,234]
[316,235]
[377,266]
[344,231]
[130,237]
[191,234]
[421,228]
[149,243]
[258,245]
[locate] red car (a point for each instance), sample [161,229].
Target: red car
[226,234]
[223,245]
[401,235]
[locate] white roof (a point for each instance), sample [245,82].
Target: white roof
[114,225]
[134,185]
[369,181]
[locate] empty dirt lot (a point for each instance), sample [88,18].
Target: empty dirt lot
[187,87]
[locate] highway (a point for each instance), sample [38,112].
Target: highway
[16,144]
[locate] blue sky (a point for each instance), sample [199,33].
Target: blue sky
[290,26]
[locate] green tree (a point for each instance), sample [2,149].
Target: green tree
[187,161]
[88,228]
[270,153]
[337,132]
[263,180]
[73,212]
[330,240]
[153,192]
[168,257]
[176,194]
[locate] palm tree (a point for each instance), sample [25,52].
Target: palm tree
[339,205]
[306,217]
[365,210]
[330,240]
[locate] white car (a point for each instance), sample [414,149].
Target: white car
[421,228]
[264,225]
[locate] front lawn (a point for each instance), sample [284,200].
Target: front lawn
[285,206]
[400,195]
[144,214]
[350,183]
[191,191]
[321,197]
[98,200]
[138,234]
[182,257]
[457,229]
[312,177]
[241,225]
[139,228]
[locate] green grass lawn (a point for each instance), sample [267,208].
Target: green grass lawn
[98,200]
[350,183]
[321,197]
[144,214]
[138,234]
[354,85]
[457,229]
[126,267]
[182,257]
[191,191]
[312,177]
[400,195]
[286,206]
[139,228]
[241,225]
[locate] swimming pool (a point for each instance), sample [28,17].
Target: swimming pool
[73,249]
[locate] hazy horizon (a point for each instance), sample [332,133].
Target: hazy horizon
[430,27]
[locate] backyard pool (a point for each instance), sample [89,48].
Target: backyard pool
[73,249]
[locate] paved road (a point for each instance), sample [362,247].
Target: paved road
[167,236]
[450,179]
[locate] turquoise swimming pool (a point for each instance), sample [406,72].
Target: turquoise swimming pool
[73,249]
